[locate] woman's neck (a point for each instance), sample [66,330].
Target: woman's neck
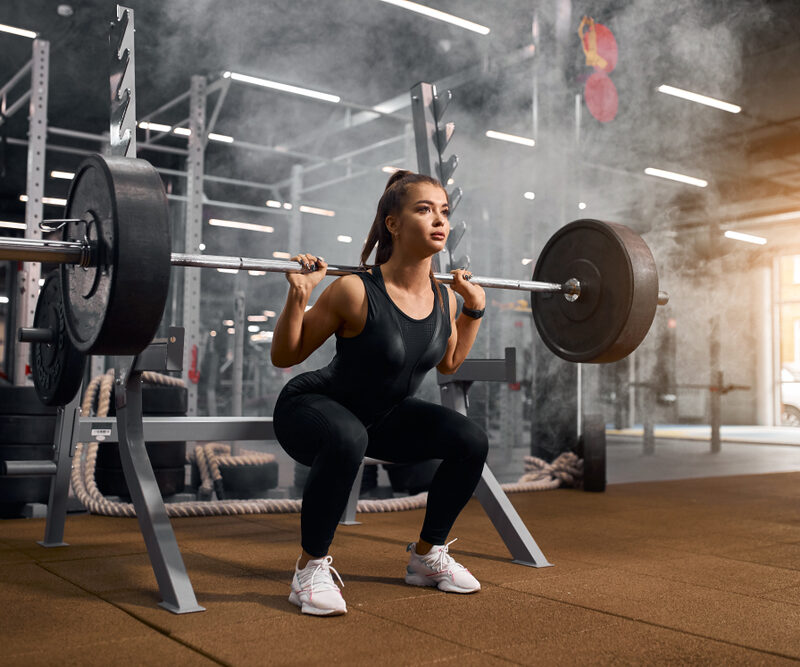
[406,274]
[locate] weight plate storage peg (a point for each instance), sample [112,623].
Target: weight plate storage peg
[618,292]
[57,366]
[114,305]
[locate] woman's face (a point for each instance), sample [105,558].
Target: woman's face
[422,224]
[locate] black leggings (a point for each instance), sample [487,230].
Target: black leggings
[320,432]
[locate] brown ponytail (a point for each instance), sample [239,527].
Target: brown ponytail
[391,202]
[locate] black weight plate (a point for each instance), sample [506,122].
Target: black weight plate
[111,481]
[115,307]
[619,292]
[161,454]
[57,367]
[21,490]
[248,481]
[27,429]
[22,401]
[592,448]
[160,400]
[17,452]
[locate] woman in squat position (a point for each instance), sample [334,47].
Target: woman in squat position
[393,324]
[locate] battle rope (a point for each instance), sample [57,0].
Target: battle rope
[539,475]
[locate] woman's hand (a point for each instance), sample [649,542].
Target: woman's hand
[312,273]
[473,295]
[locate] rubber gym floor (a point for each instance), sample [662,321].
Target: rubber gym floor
[703,570]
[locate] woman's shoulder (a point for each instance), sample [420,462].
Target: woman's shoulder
[348,288]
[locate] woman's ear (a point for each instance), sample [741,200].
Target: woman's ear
[391,223]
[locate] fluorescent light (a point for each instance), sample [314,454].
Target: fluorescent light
[439,16]
[3,299]
[747,238]
[231,331]
[279,254]
[182,131]
[240,225]
[513,138]
[262,337]
[156,127]
[317,211]
[18,31]
[212,333]
[257,318]
[450,181]
[526,261]
[253,328]
[344,239]
[700,99]
[529,195]
[269,313]
[227,323]
[287,206]
[389,169]
[41,282]
[581,205]
[257,273]
[286,88]
[228,270]
[674,176]
[66,175]
[55,201]
[201,247]
[213,136]
[13,225]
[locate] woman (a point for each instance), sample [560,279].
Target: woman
[393,324]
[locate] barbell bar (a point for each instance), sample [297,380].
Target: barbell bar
[81,253]
[115,262]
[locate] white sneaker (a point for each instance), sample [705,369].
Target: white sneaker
[314,591]
[439,568]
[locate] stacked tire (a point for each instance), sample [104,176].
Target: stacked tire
[27,433]
[167,458]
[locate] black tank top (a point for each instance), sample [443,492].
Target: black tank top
[385,363]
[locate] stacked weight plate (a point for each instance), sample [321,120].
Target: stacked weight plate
[167,458]
[27,429]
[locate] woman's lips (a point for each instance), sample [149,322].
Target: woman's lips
[437,236]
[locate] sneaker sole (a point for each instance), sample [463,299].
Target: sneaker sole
[312,610]
[420,580]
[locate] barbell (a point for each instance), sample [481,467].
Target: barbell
[593,294]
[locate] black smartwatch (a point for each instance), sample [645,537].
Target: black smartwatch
[474,314]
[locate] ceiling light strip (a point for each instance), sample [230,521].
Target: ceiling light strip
[675,176]
[439,15]
[513,138]
[18,31]
[747,238]
[13,225]
[283,87]
[700,99]
[234,224]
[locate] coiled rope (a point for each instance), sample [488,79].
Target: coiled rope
[539,475]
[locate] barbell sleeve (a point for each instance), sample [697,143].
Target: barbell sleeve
[34,250]
[36,335]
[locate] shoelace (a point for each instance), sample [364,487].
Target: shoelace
[327,582]
[443,560]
